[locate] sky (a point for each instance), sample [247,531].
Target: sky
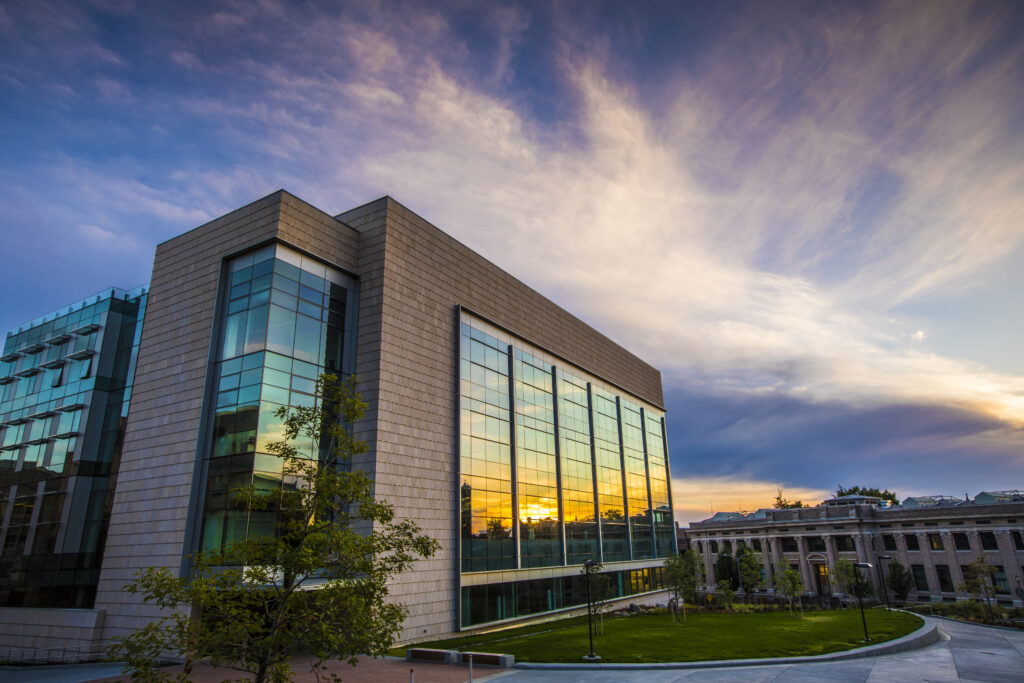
[808,215]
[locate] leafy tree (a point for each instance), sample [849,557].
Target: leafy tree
[725,594]
[788,583]
[852,580]
[978,580]
[318,586]
[725,570]
[601,593]
[783,504]
[749,567]
[900,581]
[682,573]
[863,491]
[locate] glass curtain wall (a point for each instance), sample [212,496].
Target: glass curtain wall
[283,323]
[540,535]
[641,532]
[65,381]
[578,506]
[657,466]
[608,456]
[486,459]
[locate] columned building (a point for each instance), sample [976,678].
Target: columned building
[934,537]
[519,437]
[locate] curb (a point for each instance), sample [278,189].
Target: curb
[928,634]
[1011,629]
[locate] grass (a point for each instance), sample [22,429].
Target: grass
[655,638]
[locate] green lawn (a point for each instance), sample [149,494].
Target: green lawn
[654,638]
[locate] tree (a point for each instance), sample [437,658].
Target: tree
[317,586]
[852,580]
[749,567]
[862,491]
[601,593]
[978,580]
[783,504]
[900,581]
[681,571]
[726,594]
[788,583]
[725,570]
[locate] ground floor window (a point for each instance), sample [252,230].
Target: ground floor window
[920,579]
[499,601]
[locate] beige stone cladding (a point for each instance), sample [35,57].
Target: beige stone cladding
[29,634]
[150,514]
[412,278]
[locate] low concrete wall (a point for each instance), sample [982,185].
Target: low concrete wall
[29,635]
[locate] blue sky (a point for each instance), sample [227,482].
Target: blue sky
[810,216]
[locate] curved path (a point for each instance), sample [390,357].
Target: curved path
[965,652]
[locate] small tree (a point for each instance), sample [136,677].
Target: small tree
[783,504]
[601,593]
[318,586]
[852,580]
[900,581]
[978,580]
[725,570]
[725,594]
[748,564]
[681,571]
[787,582]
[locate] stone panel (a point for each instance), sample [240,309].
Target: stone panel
[149,519]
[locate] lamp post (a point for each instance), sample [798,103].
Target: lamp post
[587,566]
[860,600]
[881,579]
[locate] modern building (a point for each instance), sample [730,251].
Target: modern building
[935,537]
[520,438]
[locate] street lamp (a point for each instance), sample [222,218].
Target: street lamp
[881,579]
[587,566]
[860,600]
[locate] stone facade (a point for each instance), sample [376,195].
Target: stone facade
[934,539]
[413,280]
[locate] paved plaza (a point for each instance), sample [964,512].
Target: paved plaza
[966,652]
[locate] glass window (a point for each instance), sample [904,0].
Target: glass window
[281,330]
[912,542]
[935,541]
[920,578]
[1018,541]
[234,336]
[988,541]
[1000,581]
[945,578]
[889,541]
[961,541]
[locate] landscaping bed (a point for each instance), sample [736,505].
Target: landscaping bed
[652,636]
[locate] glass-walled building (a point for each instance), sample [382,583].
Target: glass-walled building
[520,438]
[65,384]
[556,467]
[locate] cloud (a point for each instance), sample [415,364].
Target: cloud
[751,229]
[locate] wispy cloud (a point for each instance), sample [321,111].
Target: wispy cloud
[752,228]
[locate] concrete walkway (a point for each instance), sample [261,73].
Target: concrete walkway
[966,652]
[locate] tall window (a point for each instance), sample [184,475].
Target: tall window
[988,541]
[540,537]
[945,578]
[282,324]
[920,578]
[935,541]
[961,541]
[912,542]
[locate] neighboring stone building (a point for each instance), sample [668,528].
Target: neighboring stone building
[513,433]
[934,537]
